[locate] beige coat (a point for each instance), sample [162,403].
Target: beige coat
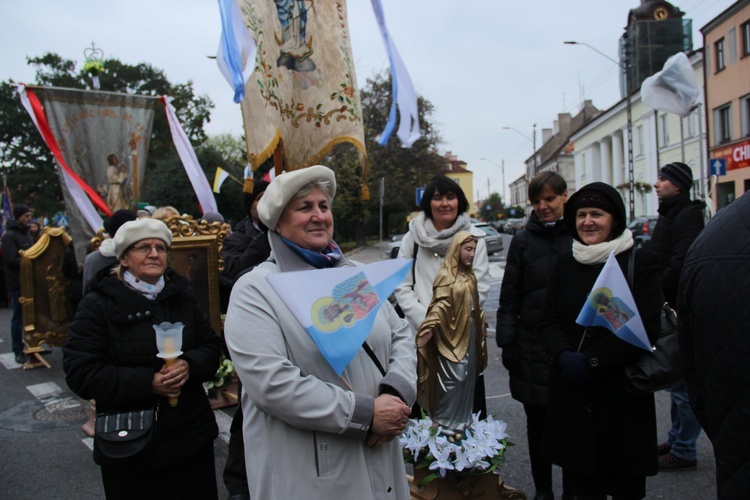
[304,429]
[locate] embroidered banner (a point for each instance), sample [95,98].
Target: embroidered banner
[104,138]
[303,90]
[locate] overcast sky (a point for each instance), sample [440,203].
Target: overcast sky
[483,64]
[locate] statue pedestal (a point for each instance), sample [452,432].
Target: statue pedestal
[485,487]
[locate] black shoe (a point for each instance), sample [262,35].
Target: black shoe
[663,448]
[671,463]
[20,358]
[544,495]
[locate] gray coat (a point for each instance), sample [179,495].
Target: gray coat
[304,429]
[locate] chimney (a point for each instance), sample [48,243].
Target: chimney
[546,135]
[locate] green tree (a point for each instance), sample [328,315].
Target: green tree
[492,208]
[30,168]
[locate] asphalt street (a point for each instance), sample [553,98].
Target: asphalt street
[45,455]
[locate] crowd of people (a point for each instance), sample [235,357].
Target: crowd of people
[302,430]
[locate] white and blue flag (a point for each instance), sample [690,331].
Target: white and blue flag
[611,305]
[237,49]
[337,307]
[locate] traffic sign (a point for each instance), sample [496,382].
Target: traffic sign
[718,166]
[420,192]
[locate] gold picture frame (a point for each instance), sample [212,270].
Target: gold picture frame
[46,311]
[196,254]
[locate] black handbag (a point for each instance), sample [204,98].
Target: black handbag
[662,367]
[122,434]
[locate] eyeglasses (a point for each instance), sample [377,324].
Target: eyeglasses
[146,248]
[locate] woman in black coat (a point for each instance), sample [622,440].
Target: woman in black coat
[603,436]
[531,259]
[111,356]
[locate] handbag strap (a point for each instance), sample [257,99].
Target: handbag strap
[631,269]
[374,358]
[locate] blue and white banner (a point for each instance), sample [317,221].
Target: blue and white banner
[404,95]
[337,307]
[237,49]
[611,305]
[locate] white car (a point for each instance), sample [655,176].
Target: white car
[492,238]
[394,246]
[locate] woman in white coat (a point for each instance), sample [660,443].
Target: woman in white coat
[307,434]
[442,216]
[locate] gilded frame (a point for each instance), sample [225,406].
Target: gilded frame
[196,254]
[46,312]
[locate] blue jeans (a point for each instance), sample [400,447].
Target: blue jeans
[683,436]
[16,323]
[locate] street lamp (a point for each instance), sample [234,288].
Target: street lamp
[624,66]
[532,139]
[502,171]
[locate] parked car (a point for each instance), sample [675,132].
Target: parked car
[492,238]
[394,246]
[642,228]
[514,225]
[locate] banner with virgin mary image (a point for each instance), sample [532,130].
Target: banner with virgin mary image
[104,138]
[303,90]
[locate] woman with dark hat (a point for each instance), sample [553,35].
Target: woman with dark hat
[602,436]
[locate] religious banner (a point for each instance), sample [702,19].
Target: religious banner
[303,90]
[104,138]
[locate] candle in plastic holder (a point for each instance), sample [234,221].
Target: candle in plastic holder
[169,344]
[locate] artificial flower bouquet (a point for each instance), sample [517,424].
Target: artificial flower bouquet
[222,378]
[456,456]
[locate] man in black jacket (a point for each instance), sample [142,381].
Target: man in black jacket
[16,238]
[714,341]
[680,222]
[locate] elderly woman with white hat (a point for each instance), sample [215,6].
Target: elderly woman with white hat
[111,356]
[308,433]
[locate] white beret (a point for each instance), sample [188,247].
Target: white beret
[136,230]
[283,188]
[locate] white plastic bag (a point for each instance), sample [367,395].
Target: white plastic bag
[674,89]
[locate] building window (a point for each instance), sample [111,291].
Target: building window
[720,55]
[745,115]
[639,136]
[723,124]
[745,33]
[688,124]
[664,136]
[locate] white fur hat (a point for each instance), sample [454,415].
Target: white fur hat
[136,230]
[283,188]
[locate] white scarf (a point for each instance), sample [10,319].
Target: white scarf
[146,289]
[596,254]
[424,233]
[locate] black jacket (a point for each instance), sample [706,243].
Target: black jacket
[531,259]
[244,249]
[110,356]
[715,341]
[680,222]
[15,238]
[598,428]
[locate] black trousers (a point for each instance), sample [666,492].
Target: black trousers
[193,478]
[235,474]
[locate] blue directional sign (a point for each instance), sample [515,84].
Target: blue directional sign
[718,166]
[420,192]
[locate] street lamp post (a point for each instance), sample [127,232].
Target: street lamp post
[502,171]
[531,139]
[625,66]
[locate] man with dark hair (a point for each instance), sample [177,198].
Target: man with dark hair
[714,341]
[531,258]
[16,238]
[680,222]
[242,250]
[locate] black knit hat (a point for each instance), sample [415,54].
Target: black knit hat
[20,210]
[678,174]
[248,199]
[596,195]
[118,218]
